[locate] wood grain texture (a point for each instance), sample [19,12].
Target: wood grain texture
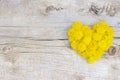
[34,45]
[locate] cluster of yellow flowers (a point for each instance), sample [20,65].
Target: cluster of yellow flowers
[90,43]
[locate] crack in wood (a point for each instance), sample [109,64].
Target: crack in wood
[51,8]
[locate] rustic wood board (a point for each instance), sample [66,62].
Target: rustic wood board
[34,45]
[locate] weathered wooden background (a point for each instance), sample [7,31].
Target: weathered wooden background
[34,45]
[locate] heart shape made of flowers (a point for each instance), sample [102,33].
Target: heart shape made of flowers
[90,43]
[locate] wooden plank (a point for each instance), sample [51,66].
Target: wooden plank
[57,63]
[22,58]
[31,13]
[19,45]
[23,15]
[41,32]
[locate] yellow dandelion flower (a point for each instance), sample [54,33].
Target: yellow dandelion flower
[90,43]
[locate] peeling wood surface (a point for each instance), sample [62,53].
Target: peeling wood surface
[34,45]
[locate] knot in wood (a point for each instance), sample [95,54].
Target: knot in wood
[7,49]
[112,51]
